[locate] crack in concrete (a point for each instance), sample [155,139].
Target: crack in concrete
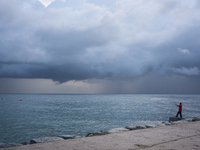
[141,146]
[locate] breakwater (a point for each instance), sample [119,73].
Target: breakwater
[98,133]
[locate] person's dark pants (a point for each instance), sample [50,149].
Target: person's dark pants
[179,112]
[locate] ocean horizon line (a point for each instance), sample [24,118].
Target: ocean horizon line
[108,93]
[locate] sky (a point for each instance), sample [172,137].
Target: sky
[93,46]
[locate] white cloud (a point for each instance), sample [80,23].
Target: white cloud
[46,2]
[187,71]
[184,51]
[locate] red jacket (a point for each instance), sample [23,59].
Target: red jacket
[180,107]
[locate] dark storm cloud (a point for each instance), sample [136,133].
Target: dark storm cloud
[115,40]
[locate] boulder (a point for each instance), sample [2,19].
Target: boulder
[160,125]
[196,119]
[168,123]
[97,133]
[150,126]
[67,136]
[141,127]
[116,130]
[26,143]
[189,119]
[45,139]
[5,145]
[131,127]
[180,121]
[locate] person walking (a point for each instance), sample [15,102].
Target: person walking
[179,110]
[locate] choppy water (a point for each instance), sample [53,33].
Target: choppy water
[40,115]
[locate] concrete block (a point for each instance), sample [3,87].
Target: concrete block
[171,119]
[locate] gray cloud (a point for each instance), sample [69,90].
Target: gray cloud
[115,40]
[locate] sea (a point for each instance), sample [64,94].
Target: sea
[27,116]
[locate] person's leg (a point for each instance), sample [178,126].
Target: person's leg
[181,114]
[177,114]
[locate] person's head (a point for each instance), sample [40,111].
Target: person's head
[180,103]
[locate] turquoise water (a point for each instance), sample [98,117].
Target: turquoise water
[40,115]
